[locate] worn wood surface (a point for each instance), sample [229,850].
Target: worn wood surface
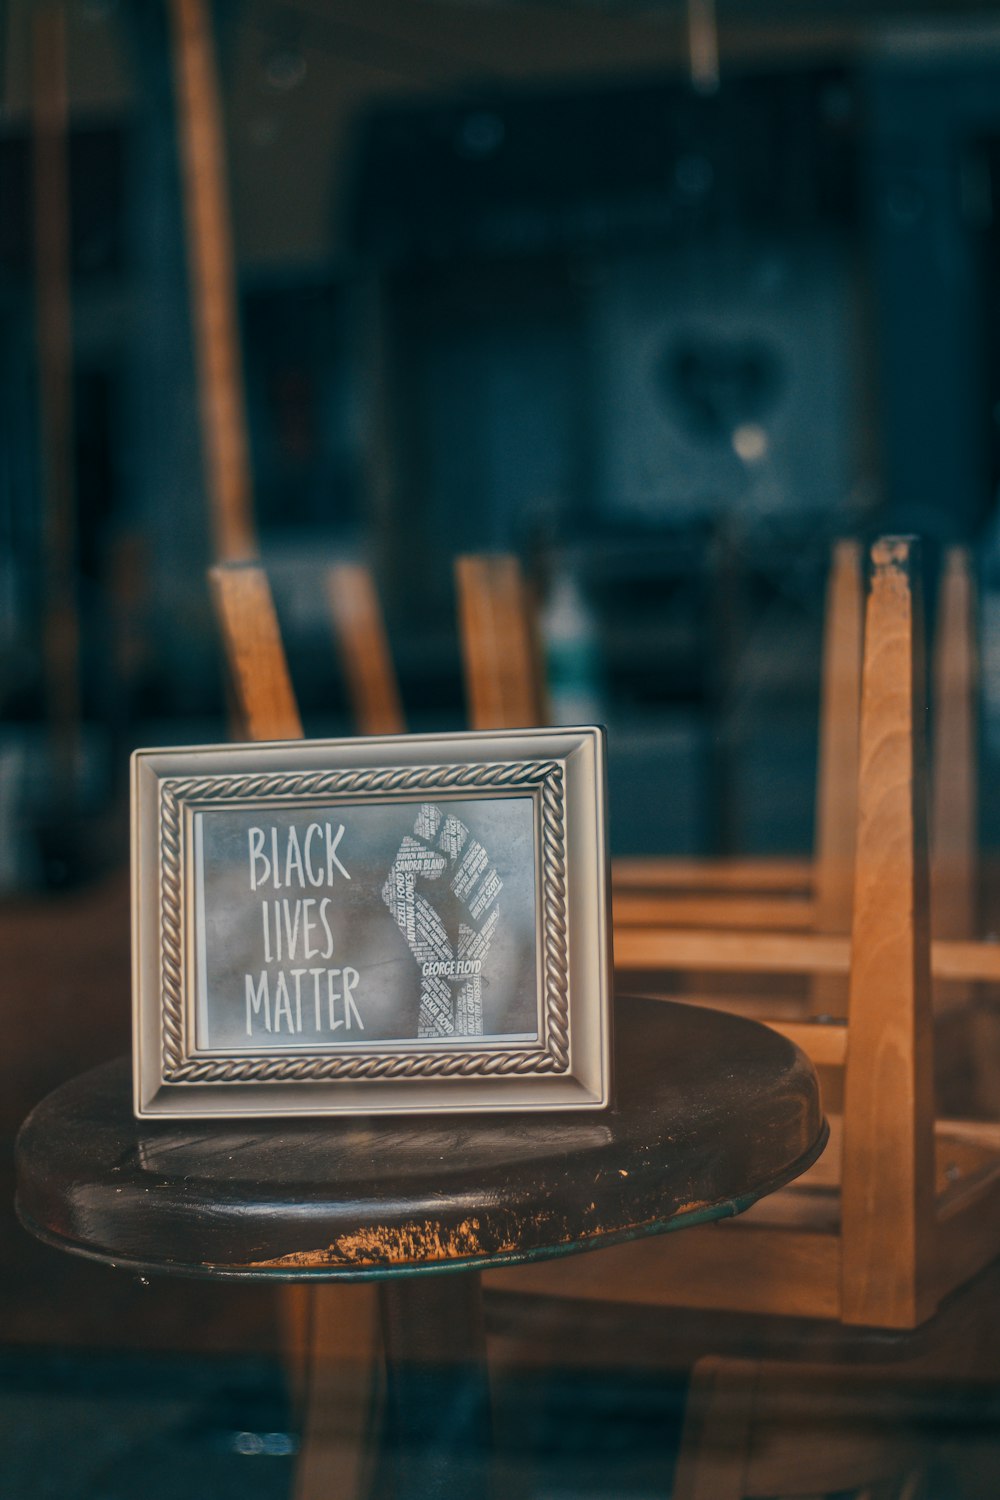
[252,638]
[363,646]
[713,1110]
[213,291]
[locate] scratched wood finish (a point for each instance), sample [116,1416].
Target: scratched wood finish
[713,1110]
[887,1190]
[498,645]
[213,292]
[252,639]
[363,646]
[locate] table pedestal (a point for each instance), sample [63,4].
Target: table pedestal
[438,1431]
[712,1111]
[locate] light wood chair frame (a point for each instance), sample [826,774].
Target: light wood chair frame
[901,1210]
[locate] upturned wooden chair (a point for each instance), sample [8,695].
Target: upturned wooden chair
[967,1072]
[901,1210]
[504,683]
[498,635]
[813,894]
[894,1216]
[498,632]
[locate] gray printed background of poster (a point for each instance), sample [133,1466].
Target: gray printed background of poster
[365,934]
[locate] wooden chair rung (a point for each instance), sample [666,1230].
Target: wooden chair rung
[499,645]
[363,644]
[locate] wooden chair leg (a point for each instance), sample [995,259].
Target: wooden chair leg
[344,1394]
[715,1443]
[764,1427]
[363,646]
[837,781]
[954,801]
[499,648]
[887,1257]
[212,281]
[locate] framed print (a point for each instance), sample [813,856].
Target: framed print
[409,924]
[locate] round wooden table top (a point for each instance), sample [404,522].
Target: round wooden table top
[712,1112]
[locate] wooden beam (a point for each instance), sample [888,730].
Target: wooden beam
[667,908]
[647,949]
[650,948]
[213,289]
[779,875]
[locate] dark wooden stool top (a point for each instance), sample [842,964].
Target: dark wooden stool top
[713,1111]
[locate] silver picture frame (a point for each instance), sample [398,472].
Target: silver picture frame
[512,1014]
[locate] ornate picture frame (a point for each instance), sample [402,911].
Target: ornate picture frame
[393,925]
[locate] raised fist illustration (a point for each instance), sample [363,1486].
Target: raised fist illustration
[451,986]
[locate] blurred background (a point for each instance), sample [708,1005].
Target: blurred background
[507,277]
[662,297]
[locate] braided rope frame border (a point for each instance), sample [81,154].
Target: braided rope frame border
[544,777]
